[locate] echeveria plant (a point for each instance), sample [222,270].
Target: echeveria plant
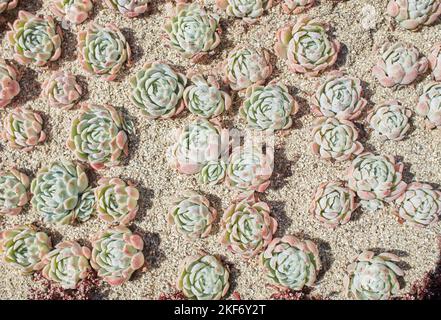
[99,136]
[74,11]
[86,207]
[248,10]
[192,215]
[420,205]
[6,5]
[413,14]
[291,263]
[339,96]
[333,203]
[307,46]
[9,86]
[246,66]
[157,90]
[103,50]
[248,227]
[129,8]
[35,40]
[24,247]
[429,105]
[213,172]
[434,58]
[116,254]
[376,179]
[14,191]
[23,129]
[192,31]
[336,139]
[203,277]
[268,107]
[373,277]
[62,90]
[296,6]
[399,64]
[204,98]
[116,201]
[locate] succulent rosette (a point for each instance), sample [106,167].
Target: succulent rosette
[192,215]
[116,254]
[116,200]
[23,129]
[434,58]
[339,96]
[296,6]
[24,247]
[205,99]
[307,46]
[62,90]
[57,191]
[375,179]
[157,90]
[213,172]
[399,64]
[14,189]
[248,10]
[250,168]
[333,203]
[6,5]
[291,263]
[86,207]
[35,40]
[268,107]
[192,31]
[373,277]
[390,120]
[99,136]
[335,138]
[248,227]
[67,264]
[429,105]
[246,66]
[413,14]
[419,205]
[203,277]
[196,144]
[9,86]
[74,11]
[103,50]
[129,8]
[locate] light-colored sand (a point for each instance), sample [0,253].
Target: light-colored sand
[297,171]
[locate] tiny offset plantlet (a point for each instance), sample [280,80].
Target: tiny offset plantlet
[203,277]
[333,203]
[373,277]
[157,90]
[129,8]
[335,139]
[99,136]
[192,215]
[213,172]
[248,10]
[204,98]
[268,107]
[14,191]
[116,254]
[399,64]
[419,205]
[413,14]
[103,51]
[35,40]
[67,264]
[429,105]
[296,6]
[339,96]
[192,31]
[246,66]
[9,86]
[74,11]
[23,129]
[24,248]
[116,201]
[6,5]
[434,58]
[306,46]
[248,227]
[290,263]
[62,90]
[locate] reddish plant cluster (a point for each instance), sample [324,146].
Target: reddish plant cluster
[177,295]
